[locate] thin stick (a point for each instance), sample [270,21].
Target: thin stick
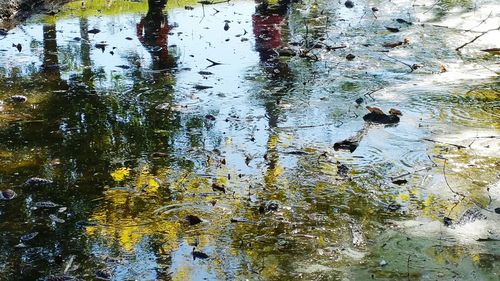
[408,268]
[455,145]
[475,38]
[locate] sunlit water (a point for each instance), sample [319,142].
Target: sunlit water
[138,129]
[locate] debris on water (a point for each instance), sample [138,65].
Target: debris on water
[122,66]
[374,9]
[18,46]
[399,20]
[349,4]
[394,111]
[199,255]
[46,204]
[82,224]
[381,118]
[37,182]
[382,263]
[442,68]
[373,109]
[28,237]
[7,194]
[392,29]
[163,106]
[192,219]
[101,46]
[210,117]
[201,87]
[346,145]
[18,98]
[3,32]
[237,220]
[286,52]
[128,38]
[393,207]
[392,44]
[497,210]
[376,115]
[218,187]
[213,63]
[350,57]
[102,274]
[342,169]
[272,206]
[205,72]
[55,219]
[94,31]
[400,182]
[226,26]
[447,221]
[359,101]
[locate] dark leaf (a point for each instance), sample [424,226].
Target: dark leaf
[18,98]
[218,187]
[201,87]
[226,26]
[199,255]
[346,145]
[94,31]
[205,73]
[400,182]
[392,44]
[359,100]
[28,237]
[447,221]
[349,4]
[192,219]
[393,207]
[403,21]
[7,194]
[210,117]
[37,182]
[392,29]
[350,57]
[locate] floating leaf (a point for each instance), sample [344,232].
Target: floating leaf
[46,204]
[38,182]
[28,237]
[400,182]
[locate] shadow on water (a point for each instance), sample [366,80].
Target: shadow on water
[189,141]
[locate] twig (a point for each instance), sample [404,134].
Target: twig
[213,63]
[446,180]
[475,38]
[409,173]
[408,268]
[411,66]
[452,144]
[480,22]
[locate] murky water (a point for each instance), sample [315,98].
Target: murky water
[181,146]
